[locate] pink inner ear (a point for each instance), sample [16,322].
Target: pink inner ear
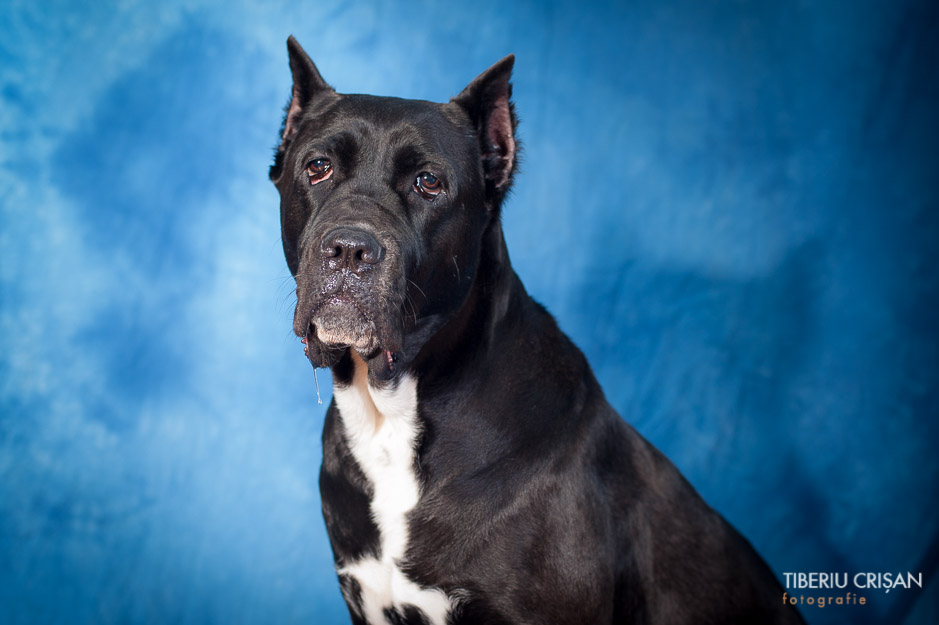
[292,114]
[501,139]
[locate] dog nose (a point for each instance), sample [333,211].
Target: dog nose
[351,248]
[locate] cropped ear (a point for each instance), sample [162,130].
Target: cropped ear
[308,86]
[487,101]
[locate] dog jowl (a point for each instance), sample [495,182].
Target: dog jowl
[473,471]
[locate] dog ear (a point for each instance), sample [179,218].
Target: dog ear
[308,86]
[487,101]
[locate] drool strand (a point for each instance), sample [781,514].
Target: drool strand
[319,399]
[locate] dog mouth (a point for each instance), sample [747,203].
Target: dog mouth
[341,324]
[385,359]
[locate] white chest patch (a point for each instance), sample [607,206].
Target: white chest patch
[381,427]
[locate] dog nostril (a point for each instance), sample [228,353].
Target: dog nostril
[331,251]
[368,255]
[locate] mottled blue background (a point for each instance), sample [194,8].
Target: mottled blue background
[731,207]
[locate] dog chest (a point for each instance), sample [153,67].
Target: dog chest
[381,428]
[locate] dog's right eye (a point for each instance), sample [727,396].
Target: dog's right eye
[319,169]
[428,185]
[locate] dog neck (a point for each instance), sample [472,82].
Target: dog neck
[495,293]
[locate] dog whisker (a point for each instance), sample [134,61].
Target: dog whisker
[418,288]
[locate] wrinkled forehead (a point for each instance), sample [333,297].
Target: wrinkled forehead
[408,132]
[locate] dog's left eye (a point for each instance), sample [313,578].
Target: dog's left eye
[428,185]
[319,169]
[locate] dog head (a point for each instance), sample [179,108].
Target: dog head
[384,206]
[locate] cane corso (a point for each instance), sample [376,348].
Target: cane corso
[473,471]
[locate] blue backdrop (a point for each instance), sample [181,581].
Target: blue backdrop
[730,206]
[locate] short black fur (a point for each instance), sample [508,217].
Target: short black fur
[538,503]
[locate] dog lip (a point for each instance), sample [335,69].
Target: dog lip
[343,322]
[340,300]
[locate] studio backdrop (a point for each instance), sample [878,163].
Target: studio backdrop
[732,207]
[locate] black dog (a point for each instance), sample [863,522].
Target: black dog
[473,471]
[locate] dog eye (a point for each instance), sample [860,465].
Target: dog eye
[428,185]
[319,169]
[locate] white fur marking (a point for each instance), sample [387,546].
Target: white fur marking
[381,428]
